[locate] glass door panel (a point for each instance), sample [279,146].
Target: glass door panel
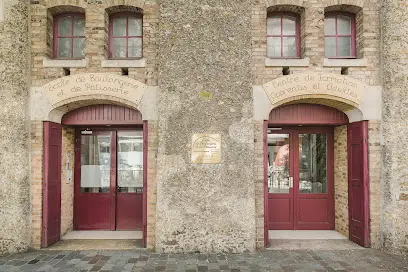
[130,161]
[312,163]
[95,163]
[278,163]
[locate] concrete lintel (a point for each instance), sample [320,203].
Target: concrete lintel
[371,103]
[148,104]
[137,63]
[344,62]
[261,103]
[287,62]
[58,63]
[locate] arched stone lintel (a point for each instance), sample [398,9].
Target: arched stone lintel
[130,3]
[271,3]
[66,6]
[42,110]
[356,3]
[368,109]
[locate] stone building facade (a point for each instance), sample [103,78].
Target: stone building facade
[205,69]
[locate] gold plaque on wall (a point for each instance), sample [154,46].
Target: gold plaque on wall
[206,148]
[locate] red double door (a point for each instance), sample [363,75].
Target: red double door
[300,178]
[108,180]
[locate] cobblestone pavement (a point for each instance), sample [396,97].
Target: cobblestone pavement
[143,260]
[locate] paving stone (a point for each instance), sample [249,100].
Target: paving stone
[131,260]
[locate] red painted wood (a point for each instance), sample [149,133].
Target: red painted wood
[283,15]
[145,167]
[92,211]
[102,115]
[129,212]
[352,34]
[303,211]
[315,211]
[307,114]
[358,183]
[113,210]
[281,205]
[113,180]
[52,184]
[72,36]
[127,36]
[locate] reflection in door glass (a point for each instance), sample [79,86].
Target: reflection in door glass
[95,163]
[312,163]
[130,161]
[278,163]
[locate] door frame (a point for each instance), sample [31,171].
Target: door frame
[139,125]
[295,194]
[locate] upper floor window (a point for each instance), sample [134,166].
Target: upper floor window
[125,36]
[69,36]
[283,36]
[339,35]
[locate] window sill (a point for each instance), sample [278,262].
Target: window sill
[134,63]
[344,62]
[66,63]
[286,62]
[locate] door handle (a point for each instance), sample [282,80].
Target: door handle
[290,182]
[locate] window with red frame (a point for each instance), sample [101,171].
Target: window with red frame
[69,36]
[125,36]
[283,36]
[339,35]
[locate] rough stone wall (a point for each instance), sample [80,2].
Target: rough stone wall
[205,87]
[341,211]
[96,50]
[14,166]
[67,187]
[394,185]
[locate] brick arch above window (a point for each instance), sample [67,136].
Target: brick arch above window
[272,3]
[286,8]
[354,5]
[114,6]
[54,9]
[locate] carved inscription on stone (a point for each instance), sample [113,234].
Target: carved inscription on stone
[94,84]
[315,83]
[206,148]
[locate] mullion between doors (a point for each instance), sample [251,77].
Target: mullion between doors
[113,180]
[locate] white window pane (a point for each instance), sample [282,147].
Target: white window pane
[79,48]
[135,26]
[65,26]
[119,26]
[274,26]
[64,48]
[329,26]
[289,26]
[119,48]
[135,47]
[79,26]
[343,25]
[344,46]
[274,47]
[289,47]
[330,46]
